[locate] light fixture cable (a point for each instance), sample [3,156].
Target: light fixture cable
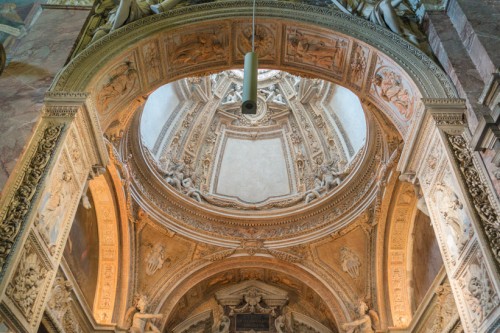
[250,75]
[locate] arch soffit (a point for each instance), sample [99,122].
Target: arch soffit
[376,64]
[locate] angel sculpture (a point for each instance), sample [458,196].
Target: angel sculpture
[175,175]
[366,323]
[139,319]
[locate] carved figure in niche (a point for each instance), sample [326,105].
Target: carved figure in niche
[155,259]
[190,190]
[203,47]
[382,13]
[175,175]
[49,219]
[392,91]
[140,320]
[350,262]
[273,94]
[367,321]
[120,82]
[233,95]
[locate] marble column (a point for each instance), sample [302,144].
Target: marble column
[38,207]
[464,211]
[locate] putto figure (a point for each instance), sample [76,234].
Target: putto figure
[367,321]
[139,320]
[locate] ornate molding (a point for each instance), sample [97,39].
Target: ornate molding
[478,192]
[21,203]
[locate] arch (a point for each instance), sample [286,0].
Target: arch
[386,56]
[394,75]
[168,295]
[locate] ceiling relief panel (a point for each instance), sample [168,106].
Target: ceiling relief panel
[266,41]
[160,253]
[117,85]
[346,257]
[189,50]
[313,49]
[391,89]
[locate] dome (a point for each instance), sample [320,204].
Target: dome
[299,147]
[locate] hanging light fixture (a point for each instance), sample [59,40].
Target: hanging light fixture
[249,105]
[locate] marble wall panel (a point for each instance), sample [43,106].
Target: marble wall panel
[34,61]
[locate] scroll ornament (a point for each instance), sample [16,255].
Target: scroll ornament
[22,200]
[478,191]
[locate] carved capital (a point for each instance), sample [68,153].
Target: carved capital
[448,114]
[63,104]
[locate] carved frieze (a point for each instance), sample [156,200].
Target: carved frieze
[22,200]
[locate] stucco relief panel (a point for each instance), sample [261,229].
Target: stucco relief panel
[195,50]
[346,256]
[28,286]
[448,211]
[358,66]
[57,204]
[315,50]
[160,254]
[152,62]
[117,85]
[266,41]
[391,90]
[479,293]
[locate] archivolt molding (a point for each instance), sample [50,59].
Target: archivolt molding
[409,57]
[167,297]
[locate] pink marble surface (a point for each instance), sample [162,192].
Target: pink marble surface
[35,60]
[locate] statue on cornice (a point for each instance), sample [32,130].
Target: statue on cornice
[382,13]
[140,319]
[367,321]
[126,12]
[175,175]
